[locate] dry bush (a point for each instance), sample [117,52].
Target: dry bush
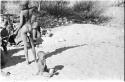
[80,12]
[53,12]
[89,12]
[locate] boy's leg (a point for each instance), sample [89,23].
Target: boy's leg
[34,33]
[39,38]
[4,45]
[5,50]
[35,26]
[24,38]
[33,47]
[38,32]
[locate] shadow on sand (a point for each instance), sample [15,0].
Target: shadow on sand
[57,68]
[56,52]
[13,60]
[60,50]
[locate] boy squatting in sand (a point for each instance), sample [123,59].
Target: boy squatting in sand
[42,67]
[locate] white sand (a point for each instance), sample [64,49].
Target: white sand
[78,52]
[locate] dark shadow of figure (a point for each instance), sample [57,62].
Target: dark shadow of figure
[60,50]
[13,60]
[2,59]
[56,69]
[57,51]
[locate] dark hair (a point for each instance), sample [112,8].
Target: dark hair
[24,5]
[34,9]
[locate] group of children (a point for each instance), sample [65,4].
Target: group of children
[30,30]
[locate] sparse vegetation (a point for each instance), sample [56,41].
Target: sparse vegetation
[56,13]
[81,12]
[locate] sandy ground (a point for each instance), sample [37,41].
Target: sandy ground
[77,52]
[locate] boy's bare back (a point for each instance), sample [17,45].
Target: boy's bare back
[41,63]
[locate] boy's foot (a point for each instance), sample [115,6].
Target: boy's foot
[35,60]
[46,74]
[51,72]
[27,62]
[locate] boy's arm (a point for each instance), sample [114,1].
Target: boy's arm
[21,23]
[39,7]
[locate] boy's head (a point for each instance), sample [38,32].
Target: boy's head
[24,4]
[41,55]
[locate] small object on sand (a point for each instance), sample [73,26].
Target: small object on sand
[5,74]
[8,73]
[61,40]
[50,35]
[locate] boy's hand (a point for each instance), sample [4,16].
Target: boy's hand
[15,33]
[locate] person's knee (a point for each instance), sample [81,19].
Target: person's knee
[38,34]
[35,25]
[34,30]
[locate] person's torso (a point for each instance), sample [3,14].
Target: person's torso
[26,16]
